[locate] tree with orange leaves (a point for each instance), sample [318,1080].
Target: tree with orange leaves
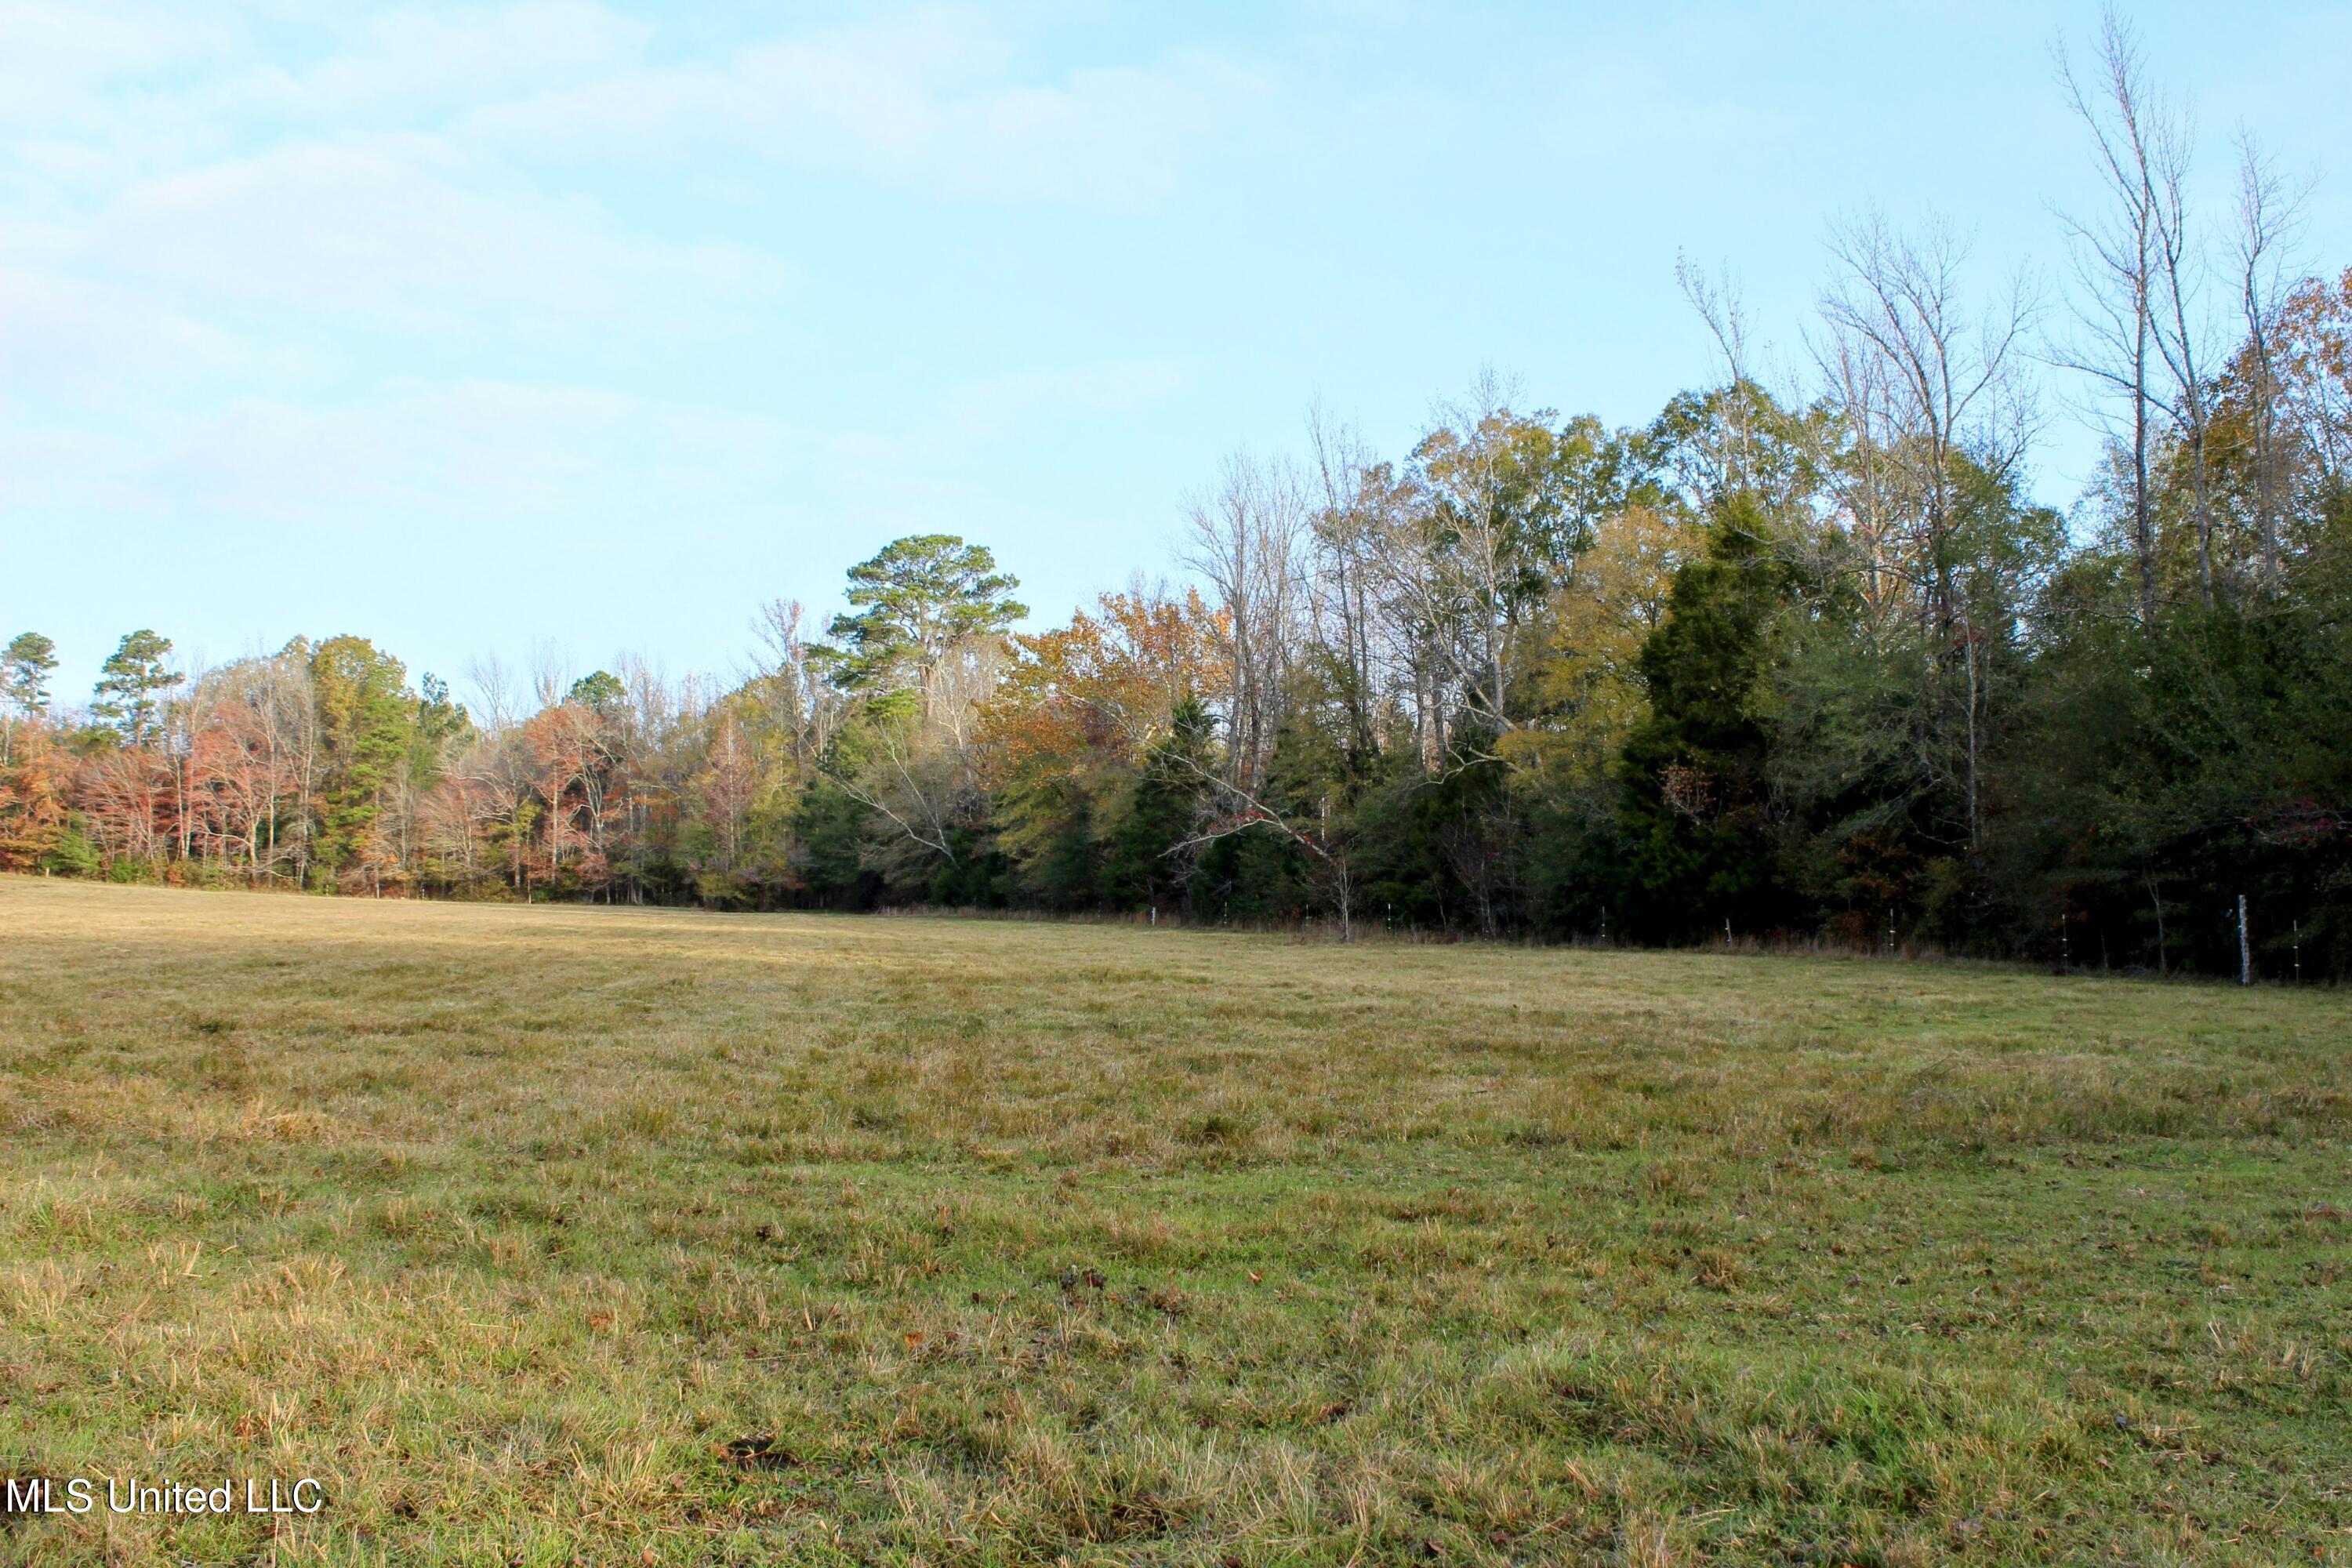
[1068,729]
[36,806]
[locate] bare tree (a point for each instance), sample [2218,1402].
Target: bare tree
[252,719]
[2266,219]
[2119,266]
[2183,332]
[800,697]
[1938,383]
[1866,483]
[1929,388]
[1467,555]
[1245,542]
[727,783]
[290,717]
[496,693]
[922,773]
[1717,300]
[551,674]
[499,769]
[1346,531]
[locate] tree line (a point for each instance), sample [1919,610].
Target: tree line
[1799,659]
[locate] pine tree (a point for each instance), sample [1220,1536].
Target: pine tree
[131,684]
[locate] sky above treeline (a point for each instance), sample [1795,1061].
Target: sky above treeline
[578,328]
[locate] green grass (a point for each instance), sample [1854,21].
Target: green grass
[556,1235]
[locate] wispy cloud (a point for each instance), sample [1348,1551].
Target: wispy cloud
[931,98]
[460,457]
[400,227]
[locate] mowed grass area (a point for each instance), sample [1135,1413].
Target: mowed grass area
[552,1235]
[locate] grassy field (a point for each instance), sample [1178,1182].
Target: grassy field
[554,1235]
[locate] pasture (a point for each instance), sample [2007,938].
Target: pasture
[553,1235]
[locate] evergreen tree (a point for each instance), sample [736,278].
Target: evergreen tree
[601,690]
[441,728]
[367,722]
[915,599]
[24,669]
[1695,811]
[130,687]
[1140,868]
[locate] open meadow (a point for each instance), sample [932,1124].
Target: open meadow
[551,1235]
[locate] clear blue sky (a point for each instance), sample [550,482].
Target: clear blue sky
[478,329]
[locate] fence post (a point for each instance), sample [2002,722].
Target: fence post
[2245,947]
